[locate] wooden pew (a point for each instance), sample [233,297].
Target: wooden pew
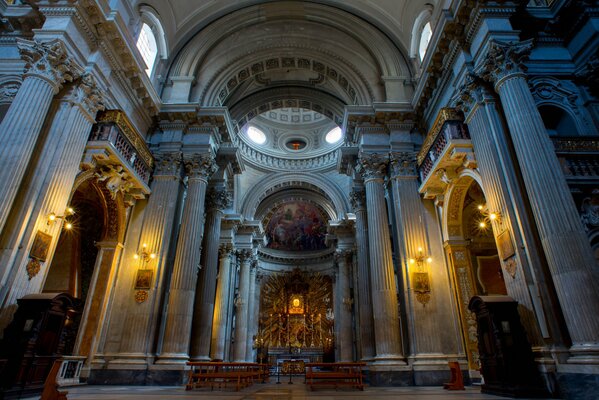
[337,374]
[51,391]
[220,373]
[457,380]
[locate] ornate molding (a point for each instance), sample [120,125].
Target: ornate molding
[357,199]
[446,114]
[403,164]
[168,164]
[49,61]
[505,59]
[199,166]
[225,250]
[87,94]
[372,165]
[8,91]
[244,255]
[218,199]
[117,179]
[344,255]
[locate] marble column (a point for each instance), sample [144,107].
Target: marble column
[221,304]
[252,317]
[50,188]
[366,328]
[177,333]
[343,319]
[135,321]
[217,200]
[241,306]
[47,67]
[566,245]
[373,168]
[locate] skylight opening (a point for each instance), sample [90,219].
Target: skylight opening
[334,135]
[146,44]
[256,135]
[425,38]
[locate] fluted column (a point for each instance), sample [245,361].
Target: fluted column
[50,189]
[47,67]
[221,304]
[366,328]
[216,202]
[138,319]
[241,306]
[565,243]
[382,277]
[177,333]
[252,317]
[343,319]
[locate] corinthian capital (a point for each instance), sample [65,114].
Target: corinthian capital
[225,250]
[87,94]
[218,199]
[167,164]
[358,199]
[49,61]
[199,166]
[505,59]
[244,255]
[372,165]
[403,164]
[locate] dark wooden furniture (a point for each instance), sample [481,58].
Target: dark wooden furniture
[506,358]
[335,374]
[51,391]
[43,329]
[220,374]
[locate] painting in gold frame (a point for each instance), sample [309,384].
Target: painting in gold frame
[41,244]
[143,279]
[421,282]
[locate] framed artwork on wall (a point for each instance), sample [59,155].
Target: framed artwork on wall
[143,279]
[41,244]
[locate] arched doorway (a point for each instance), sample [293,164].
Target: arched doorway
[472,251]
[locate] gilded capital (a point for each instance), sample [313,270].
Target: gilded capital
[199,166]
[167,164]
[505,59]
[372,165]
[49,61]
[218,199]
[403,164]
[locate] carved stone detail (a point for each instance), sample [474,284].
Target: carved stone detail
[357,199]
[243,254]
[199,166]
[218,199]
[49,61]
[117,179]
[589,212]
[505,59]
[225,250]
[8,91]
[168,164]
[372,165]
[403,164]
[87,94]
[344,255]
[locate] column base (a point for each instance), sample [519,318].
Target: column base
[584,354]
[173,359]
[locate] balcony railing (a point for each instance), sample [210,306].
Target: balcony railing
[114,141]
[579,157]
[446,148]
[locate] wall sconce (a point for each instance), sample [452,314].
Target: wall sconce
[68,225]
[420,278]
[487,217]
[144,257]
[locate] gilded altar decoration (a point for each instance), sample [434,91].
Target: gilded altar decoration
[33,268]
[41,244]
[141,296]
[297,311]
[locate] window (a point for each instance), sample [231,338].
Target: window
[256,135]
[425,38]
[146,44]
[334,135]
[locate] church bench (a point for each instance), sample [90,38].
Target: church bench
[335,374]
[241,374]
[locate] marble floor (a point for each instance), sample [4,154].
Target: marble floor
[271,391]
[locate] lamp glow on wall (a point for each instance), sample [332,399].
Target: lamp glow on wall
[421,283]
[69,212]
[143,279]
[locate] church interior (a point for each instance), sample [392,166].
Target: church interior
[403,184]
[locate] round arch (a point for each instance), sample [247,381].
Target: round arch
[455,195]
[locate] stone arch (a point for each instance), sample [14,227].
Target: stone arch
[334,201]
[454,199]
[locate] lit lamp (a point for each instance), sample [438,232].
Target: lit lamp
[70,211]
[420,277]
[487,217]
[143,280]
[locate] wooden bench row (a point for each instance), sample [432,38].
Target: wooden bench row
[335,374]
[219,374]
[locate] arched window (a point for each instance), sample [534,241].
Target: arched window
[425,38]
[146,44]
